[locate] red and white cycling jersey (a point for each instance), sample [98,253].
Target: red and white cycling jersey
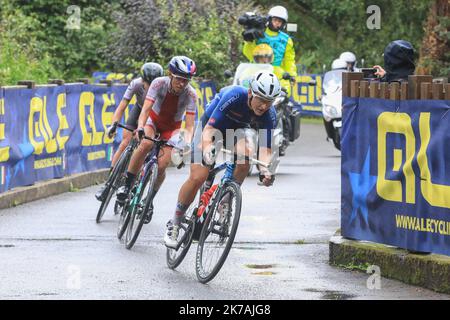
[168,108]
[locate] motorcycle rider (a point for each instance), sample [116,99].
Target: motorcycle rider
[350,59]
[280,42]
[339,64]
[263,53]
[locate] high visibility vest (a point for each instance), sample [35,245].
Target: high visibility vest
[278,44]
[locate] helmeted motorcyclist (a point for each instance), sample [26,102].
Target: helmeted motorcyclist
[280,42]
[263,53]
[350,59]
[339,64]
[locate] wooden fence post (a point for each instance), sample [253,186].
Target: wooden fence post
[404,91]
[394,91]
[347,78]
[29,83]
[384,90]
[374,89]
[84,80]
[354,90]
[364,89]
[414,85]
[438,91]
[58,82]
[447,91]
[425,91]
[107,82]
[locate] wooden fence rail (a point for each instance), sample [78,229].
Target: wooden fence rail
[417,87]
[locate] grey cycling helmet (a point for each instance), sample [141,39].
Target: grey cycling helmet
[150,71]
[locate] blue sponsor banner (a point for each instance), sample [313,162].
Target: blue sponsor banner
[91,110]
[34,142]
[396,173]
[53,131]
[49,132]
[206,90]
[306,97]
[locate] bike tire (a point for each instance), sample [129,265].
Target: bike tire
[124,218]
[191,218]
[112,180]
[201,275]
[132,235]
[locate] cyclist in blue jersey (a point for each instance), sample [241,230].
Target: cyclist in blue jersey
[233,111]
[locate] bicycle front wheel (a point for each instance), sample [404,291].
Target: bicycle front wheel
[175,256]
[218,232]
[141,208]
[112,185]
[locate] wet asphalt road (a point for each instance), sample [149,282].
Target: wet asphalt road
[53,249]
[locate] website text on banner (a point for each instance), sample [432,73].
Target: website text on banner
[53,131]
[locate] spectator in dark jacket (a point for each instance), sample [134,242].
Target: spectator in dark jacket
[398,62]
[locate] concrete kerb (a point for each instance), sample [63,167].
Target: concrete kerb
[431,271]
[52,187]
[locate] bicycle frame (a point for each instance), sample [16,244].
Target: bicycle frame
[228,176]
[150,159]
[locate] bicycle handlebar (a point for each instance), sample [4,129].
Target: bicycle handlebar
[125,127]
[255,161]
[145,137]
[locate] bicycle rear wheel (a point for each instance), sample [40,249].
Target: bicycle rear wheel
[175,256]
[218,233]
[140,209]
[125,214]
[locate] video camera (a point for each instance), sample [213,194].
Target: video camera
[254,26]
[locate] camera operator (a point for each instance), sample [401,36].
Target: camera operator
[280,42]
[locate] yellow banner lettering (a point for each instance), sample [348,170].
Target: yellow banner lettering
[436,195]
[4,152]
[63,124]
[107,116]
[390,122]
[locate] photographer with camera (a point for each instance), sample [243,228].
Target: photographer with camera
[259,30]
[398,62]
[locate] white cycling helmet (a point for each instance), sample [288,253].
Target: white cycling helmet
[338,64]
[278,12]
[265,85]
[348,57]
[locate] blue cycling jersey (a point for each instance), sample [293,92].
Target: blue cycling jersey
[229,110]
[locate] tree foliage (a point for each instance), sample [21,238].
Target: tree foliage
[119,35]
[435,50]
[327,28]
[155,30]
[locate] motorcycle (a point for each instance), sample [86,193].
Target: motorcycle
[332,106]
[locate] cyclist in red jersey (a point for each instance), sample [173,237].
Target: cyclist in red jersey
[167,100]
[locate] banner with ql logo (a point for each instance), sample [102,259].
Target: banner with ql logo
[396,173]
